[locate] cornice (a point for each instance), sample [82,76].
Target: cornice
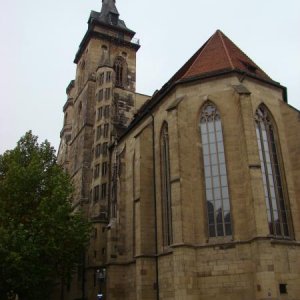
[102,36]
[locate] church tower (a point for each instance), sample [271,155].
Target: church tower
[192,194]
[101,103]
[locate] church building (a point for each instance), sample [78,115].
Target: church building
[193,193]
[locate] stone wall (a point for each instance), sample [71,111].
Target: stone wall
[248,265]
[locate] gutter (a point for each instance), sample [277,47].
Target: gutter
[170,85]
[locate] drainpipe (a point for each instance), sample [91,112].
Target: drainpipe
[155,212]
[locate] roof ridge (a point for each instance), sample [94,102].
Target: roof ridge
[253,63]
[202,50]
[220,33]
[221,53]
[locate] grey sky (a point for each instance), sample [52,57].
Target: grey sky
[39,40]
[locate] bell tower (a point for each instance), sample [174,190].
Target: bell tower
[101,103]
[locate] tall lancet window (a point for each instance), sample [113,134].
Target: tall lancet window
[120,67]
[166,188]
[216,183]
[272,173]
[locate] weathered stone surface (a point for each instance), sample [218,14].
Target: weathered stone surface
[125,201]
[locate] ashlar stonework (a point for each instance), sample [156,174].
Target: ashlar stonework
[194,192]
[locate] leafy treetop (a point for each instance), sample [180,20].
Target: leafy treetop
[41,238]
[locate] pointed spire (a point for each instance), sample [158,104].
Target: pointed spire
[109,13]
[109,6]
[109,18]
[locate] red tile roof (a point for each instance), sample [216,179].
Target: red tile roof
[218,56]
[219,53]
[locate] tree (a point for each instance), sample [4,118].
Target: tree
[41,238]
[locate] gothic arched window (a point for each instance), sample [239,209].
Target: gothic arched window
[216,183]
[166,188]
[120,67]
[272,173]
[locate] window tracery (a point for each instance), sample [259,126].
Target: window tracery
[272,173]
[215,173]
[120,68]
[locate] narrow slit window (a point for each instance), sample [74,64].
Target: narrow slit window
[103,191]
[166,187]
[96,193]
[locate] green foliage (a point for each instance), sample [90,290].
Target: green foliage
[41,239]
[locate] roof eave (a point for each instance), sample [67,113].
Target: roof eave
[168,87]
[94,21]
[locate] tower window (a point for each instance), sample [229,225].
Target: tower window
[98,150]
[283,288]
[101,78]
[108,76]
[215,173]
[100,113]
[99,132]
[120,35]
[107,94]
[100,95]
[103,191]
[272,173]
[120,68]
[166,188]
[106,111]
[114,18]
[106,128]
[97,171]
[104,169]
[104,149]
[96,193]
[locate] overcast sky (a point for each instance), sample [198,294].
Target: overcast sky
[39,40]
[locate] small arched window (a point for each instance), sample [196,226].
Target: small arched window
[272,173]
[166,188]
[216,183]
[120,67]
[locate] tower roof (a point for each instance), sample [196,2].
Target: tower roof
[109,16]
[219,54]
[115,29]
[108,7]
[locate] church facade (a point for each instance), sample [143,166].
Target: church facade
[194,192]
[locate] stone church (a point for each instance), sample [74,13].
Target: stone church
[193,192]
